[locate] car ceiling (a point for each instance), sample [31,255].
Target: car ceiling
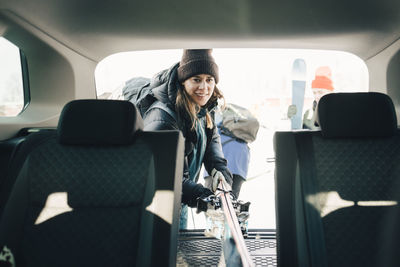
[97,29]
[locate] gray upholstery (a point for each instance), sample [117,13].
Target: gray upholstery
[359,174]
[103,190]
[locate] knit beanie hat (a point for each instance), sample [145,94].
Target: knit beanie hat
[323,78]
[197,61]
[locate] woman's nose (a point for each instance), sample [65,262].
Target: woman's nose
[203,85]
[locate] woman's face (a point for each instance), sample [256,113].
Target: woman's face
[320,92]
[200,88]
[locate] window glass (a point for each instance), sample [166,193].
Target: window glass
[279,86]
[11,85]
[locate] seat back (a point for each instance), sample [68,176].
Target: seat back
[8,149]
[88,194]
[335,187]
[12,155]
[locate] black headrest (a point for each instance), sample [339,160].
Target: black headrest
[357,115]
[90,122]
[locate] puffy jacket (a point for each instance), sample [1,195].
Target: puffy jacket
[164,88]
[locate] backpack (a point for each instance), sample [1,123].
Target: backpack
[138,91]
[239,123]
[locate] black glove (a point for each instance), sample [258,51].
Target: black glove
[204,199]
[199,192]
[205,193]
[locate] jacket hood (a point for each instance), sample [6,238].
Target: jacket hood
[165,85]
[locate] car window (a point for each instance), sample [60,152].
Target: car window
[281,88]
[11,80]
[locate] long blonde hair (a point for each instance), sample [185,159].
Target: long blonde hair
[185,105]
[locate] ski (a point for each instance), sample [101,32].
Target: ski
[233,231]
[298,91]
[234,227]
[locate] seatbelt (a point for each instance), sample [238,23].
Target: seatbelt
[308,183]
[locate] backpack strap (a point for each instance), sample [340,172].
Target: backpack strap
[233,139]
[163,106]
[229,134]
[227,141]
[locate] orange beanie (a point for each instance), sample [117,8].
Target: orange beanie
[323,78]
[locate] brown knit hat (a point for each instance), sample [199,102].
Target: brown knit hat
[197,61]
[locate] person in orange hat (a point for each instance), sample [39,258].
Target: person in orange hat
[320,86]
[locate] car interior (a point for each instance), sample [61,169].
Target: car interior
[81,183]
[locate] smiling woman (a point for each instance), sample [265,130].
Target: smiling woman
[185,99]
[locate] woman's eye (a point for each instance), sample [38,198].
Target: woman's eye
[196,80]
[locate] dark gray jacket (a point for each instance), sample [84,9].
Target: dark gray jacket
[164,88]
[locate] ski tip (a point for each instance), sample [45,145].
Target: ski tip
[299,70]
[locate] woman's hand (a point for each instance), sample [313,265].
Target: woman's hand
[217,176]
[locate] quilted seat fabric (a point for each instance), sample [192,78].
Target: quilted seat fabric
[359,171]
[105,188]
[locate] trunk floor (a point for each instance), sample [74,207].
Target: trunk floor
[194,249]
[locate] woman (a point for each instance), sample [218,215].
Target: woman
[188,91]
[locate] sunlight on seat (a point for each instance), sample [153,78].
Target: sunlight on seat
[162,205]
[328,202]
[56,204]
[376,203]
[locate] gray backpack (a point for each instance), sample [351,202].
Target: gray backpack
[138,91]
[238,122]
